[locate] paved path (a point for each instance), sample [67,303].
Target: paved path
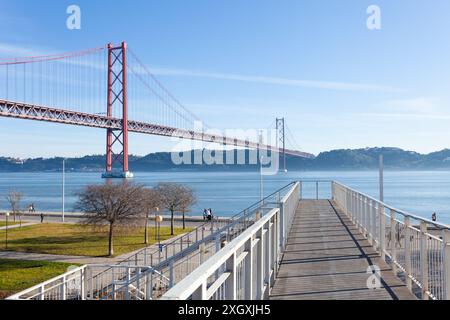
[24,224]
[75,259]
[326,258]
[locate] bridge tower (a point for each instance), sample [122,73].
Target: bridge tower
[281,141]
[117,139]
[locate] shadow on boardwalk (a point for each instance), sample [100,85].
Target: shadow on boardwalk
[327,258]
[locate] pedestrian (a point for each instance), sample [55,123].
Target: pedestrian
[210,216]
[205,214]
[30,208]
[42,217]
[434,216]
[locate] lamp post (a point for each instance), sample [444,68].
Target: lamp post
[63,186]
[158,220]
[6,231]
[261,191]
[156,223]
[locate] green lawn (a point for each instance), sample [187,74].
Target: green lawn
[78,240]
[17,275]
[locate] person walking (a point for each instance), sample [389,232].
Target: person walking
[434,217]
[42,217]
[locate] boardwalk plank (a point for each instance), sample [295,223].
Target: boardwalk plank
[326,258]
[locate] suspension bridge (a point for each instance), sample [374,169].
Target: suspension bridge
[338,244]
[111,88]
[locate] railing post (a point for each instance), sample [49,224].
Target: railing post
[301,190]
[230,283]
[408,253]
[446,262]
[249,270]
[424,259]
[200,293]
[63,288]
[128,276]
[282,225]
[149,285]
[393,247]
[259,265]
[364,216]
[276,244]
[369,221]
[171,281]
[41,293]
[382,232]
[317,190]
[267,257]
[373,212]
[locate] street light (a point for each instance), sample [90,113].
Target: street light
[63,186]
[156,227]
[6,231]
[261,191]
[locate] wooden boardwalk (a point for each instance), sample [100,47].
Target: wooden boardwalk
[326,258]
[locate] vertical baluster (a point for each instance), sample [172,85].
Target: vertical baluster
[408,253]
[382,231]
[424,259]
[393,240]
[446,262]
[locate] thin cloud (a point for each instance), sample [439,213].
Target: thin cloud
[330,85]
[14,51]
[414,105]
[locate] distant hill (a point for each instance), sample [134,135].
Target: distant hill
[344,159]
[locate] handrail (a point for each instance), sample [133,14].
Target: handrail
[421,256]
[184,289]
[63,277]
[402,212]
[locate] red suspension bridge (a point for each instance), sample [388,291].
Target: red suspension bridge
[70,89]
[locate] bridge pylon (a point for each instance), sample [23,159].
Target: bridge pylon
[117,139]
[281,140]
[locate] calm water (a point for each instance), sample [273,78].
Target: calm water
[227,193]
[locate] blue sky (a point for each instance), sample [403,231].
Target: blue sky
[241,64]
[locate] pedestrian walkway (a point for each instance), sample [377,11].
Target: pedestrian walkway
[13,226]
[327,258]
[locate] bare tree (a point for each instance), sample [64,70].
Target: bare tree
[14,198]
[152,203]
[113,204]
[175,198]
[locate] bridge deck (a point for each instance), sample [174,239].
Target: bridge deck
[326,257]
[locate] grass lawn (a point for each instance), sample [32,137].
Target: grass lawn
[17,275]
[78,240]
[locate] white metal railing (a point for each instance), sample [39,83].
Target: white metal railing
[68,286]
[245,269]
[247,263]
[417,249]
[148,274]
